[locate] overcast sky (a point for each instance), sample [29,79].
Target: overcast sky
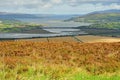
[57,6]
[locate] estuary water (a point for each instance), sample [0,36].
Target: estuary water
[48,23]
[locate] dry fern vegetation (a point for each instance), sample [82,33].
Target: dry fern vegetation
[30,60]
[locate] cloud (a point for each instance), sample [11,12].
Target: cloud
[57,1]
[115,6]
[57,6]
[79,2]
[85,8]
[47,5]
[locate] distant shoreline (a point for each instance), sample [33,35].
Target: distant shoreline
[79,38]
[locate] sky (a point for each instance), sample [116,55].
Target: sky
[57,6]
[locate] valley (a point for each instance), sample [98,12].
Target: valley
[60,47]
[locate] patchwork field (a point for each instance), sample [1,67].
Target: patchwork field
[35,60]
[91,38]
[86,39]
[54,39]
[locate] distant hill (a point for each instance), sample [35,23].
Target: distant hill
[18,16]
[4,15]
[106,11]
[99,16]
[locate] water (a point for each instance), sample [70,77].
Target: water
[23,35]
[49,23]
[55,23]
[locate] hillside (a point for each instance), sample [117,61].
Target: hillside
[22,28]
[9,24]
[105,23]
[101,16]
[16,26]
[109,25]
[106,11]
[71,60]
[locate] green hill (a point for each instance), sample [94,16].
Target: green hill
[99,16]
[15,26]
[110,25]
[105,23]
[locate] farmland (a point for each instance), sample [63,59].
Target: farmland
[85,38]
[36,60]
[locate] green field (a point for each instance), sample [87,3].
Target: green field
[7,26]
[98,18]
